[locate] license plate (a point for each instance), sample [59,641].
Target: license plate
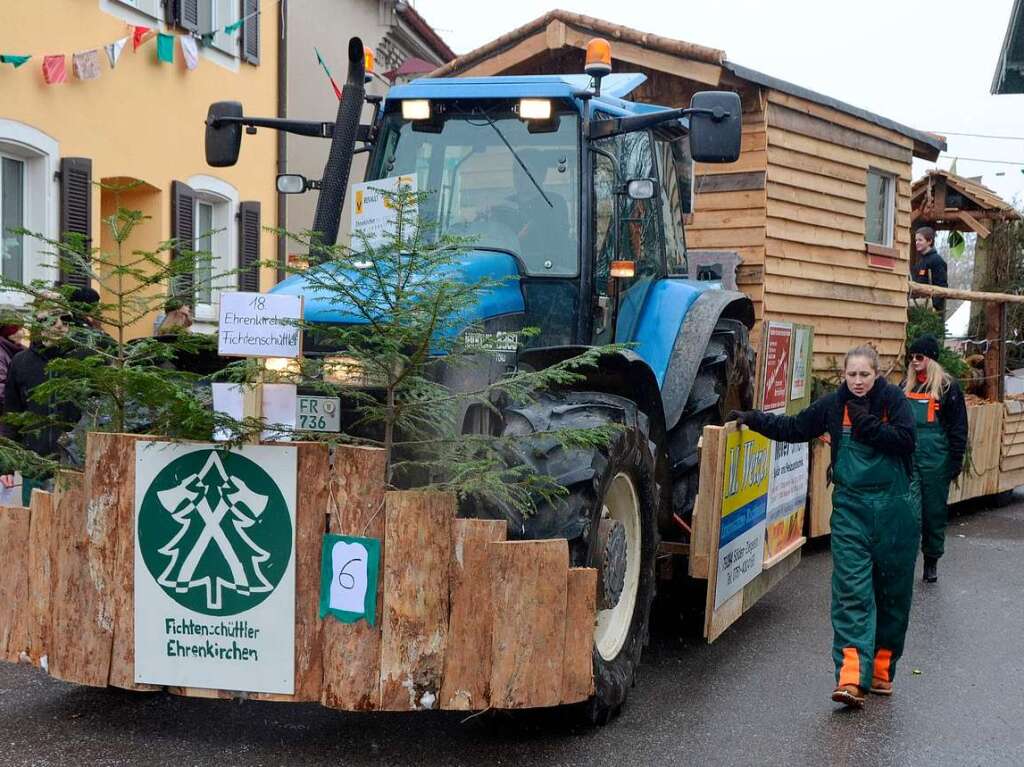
[318,414]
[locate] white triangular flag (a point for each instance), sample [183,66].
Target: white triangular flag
[114,50]
[189,51]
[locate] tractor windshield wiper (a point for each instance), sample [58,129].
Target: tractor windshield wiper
[515,155]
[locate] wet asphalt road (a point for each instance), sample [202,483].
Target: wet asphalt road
[757,696]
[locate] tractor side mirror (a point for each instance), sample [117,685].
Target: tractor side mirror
[223,133]
[715,130]
[641,188]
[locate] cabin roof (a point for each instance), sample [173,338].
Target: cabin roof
[1009,76]
[926,145]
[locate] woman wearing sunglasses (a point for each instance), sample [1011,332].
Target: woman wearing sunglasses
[941,418]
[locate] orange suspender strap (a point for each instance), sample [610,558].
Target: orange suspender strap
[933,406]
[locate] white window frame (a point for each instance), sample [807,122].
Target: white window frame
[41,155]
[225,200]
[139,12]
[222,13]
[889,224]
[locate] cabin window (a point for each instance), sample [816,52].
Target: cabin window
[879,217]
[675,172]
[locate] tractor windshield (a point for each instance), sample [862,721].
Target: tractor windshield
[471,157]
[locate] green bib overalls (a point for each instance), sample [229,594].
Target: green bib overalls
[875,530]
[931,467]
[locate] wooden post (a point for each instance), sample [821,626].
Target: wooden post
[351,651]
[40,576]
[580,617]
[467,662]
[995,356]
[529,597]
[311,506]
[110,476]
[418,539]
[252,407]
[82,563]
[14,608]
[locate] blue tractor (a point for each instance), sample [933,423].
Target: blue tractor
[579,196]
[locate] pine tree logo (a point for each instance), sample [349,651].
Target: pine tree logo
[214,532]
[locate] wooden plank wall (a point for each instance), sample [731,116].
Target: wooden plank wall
[1011,459]
[730,206]
[816,265]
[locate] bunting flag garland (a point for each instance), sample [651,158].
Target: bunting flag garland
[86,64]
[114,50]
[230,29]
[165,48]
[337,90]
[139,36]
[189,51]
[10,58]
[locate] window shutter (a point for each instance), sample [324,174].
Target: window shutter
[186,14]
[75,213]
[183,232]
[251,31]
[249,246]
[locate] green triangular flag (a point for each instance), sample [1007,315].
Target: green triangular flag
[17,61]
[165,48]
[230,29]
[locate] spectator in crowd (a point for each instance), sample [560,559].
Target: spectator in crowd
[875,518]
[177,317]
[929,267]
[26,371]
[941,417]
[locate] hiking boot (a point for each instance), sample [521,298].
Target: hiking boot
[849,695]
[881,687]
[931,569]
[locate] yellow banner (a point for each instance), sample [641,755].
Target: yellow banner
[746,469]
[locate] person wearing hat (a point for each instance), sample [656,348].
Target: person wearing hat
[875,521]
[941,418]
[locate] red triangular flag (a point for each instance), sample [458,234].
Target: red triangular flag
[138,36]
[54,69]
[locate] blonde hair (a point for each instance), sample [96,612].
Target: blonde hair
[936,382]
[867,352]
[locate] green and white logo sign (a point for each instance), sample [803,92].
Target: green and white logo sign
[215,566]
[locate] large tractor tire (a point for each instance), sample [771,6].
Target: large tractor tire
[609,517]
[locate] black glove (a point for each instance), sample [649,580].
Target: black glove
[955,471]
[859,409]
[739,416]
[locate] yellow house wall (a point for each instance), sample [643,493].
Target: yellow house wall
[144,119]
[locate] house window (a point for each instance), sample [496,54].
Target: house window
[29,197]
[216,239]
[214,15]
[134,11]
[12,216]
[879,218]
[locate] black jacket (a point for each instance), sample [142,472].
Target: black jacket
[931,269]
[27,370]
[953,418]
[888,427]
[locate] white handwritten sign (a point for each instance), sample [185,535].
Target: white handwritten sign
[348,578]
[259,325]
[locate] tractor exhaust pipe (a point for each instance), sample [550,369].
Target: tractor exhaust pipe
[334,182]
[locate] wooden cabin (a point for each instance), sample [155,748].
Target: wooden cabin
[818,204]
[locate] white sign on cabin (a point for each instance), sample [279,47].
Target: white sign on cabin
[215,566]
[259,325]
[374,218]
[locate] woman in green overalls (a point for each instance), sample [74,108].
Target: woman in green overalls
[875,518]
[941,417]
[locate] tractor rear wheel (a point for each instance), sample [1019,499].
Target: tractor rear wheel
[609,516]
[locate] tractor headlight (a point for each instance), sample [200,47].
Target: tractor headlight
[535,109]
[415,109]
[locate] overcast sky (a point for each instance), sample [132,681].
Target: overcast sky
[924,63]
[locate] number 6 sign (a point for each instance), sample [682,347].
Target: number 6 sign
[349,568]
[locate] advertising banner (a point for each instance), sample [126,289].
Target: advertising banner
[744,505]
